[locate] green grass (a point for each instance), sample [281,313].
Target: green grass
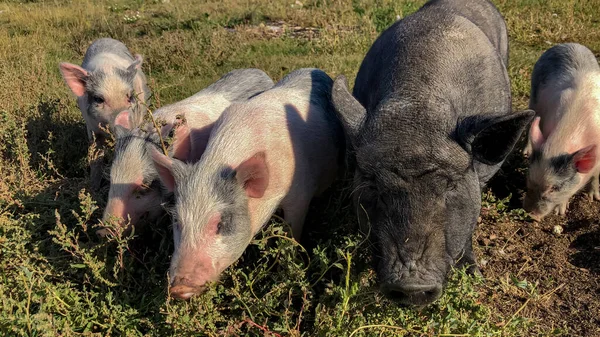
[58,279]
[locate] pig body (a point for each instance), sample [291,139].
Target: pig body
[429,124]
[278,149]
[110,81]
[135,190]
[563,139]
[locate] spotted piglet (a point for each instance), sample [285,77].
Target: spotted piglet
[135,190]
[109,81]
[278,149]
[563,138]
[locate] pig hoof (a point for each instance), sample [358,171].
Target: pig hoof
[473,270]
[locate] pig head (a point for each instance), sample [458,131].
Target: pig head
[110,81]
[211,217]
[421,193]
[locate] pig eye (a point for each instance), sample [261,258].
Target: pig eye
[98,99]
[451,184]
[141,191]
[219,227]
[554,188]
[131,98]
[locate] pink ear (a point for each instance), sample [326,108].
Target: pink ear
[181,145]
[122,119]
[138,61]
[199,140]
[164,166]
[253,175]
[75,77]
[535,134]
[585,159]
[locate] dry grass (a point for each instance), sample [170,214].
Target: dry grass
[58,279]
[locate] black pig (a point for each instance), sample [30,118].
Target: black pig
[431,123]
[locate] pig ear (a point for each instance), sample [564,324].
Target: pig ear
[190,144]
[535,134]
[199,141]
[494,139]
[585,159]
[136,64]
[182,145]
[75,77]
[122,120]
[165,167]
[350,112]
[253,175]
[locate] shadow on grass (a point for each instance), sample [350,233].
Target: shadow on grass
[53,131]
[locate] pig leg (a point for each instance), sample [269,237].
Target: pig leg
[96,174]
[294,213]
[528,148]
[561,209]
[592,187]
[468,259]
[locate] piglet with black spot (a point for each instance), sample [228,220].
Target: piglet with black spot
[278,149]
[564,136]
[135,190]
[110,81]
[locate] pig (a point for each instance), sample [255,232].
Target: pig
[429,123]
[278,149]
[135,190]
[563,138]
[109,81]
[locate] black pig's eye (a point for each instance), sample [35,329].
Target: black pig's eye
[98,99]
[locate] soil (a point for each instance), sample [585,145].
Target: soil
[564,267]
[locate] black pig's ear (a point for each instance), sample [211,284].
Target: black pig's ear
[350,112]
[491,140]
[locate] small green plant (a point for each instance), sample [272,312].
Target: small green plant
[59,278]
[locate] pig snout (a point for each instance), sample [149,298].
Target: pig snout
[413,283]
[117,211]
[184,288]
[536,209]
[191,271]
[412,292]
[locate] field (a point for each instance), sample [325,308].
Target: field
[57,278]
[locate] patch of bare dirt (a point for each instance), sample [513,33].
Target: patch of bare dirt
[564,267]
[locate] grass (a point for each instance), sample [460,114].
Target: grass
[58,279]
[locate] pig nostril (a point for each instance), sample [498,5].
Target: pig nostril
[183,291]
[412,294]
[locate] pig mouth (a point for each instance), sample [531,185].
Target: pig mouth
[185,292]
[418,295]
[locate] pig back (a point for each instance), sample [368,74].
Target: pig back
[106,45]
[315,132]
[293,123]
[484,15]
[432,67]
[559,66]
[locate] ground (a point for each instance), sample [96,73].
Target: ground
[57,278]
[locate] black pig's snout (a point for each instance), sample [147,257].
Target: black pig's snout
[412,293]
